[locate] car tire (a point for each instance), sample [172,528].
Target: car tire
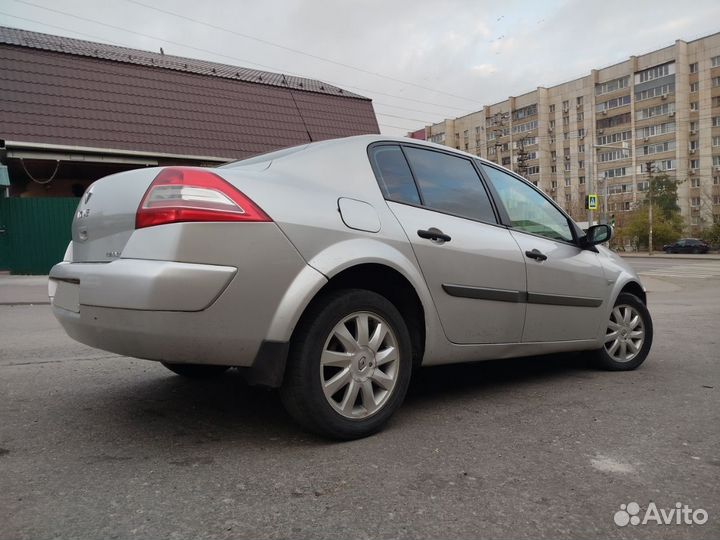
[334,385]
[623,335]
[196,371]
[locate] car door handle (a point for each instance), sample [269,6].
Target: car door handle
[536,254]
[434,234]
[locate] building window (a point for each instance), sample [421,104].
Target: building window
[663,90]
[534,169]
[656,148]
[694,164]
[581,164]
[530,110]
[527,126]
[694,182]
[643,186]
[615,137]
[581,117]
[581,148]
[611,86]
[716,121]
[695,201]
[581,180]
[439,138]
[579,101]
[716,180]
[613,103]
[626,206]
[655,73]
[615,173]
[552,108]
[659,110]
[567,166]
[694,67]
[716,81]
[694,86]
[614,155]
[658,129]
[553,184]
[693,145]
[568,182]
[716,140]
[715,61]
[553,168]
[581,132]
[716,161]
[614,121]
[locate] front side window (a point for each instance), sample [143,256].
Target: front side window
[393,174]
[450,184]
[529,211]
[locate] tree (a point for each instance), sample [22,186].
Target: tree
[712,235]
[666,229]
[663,190]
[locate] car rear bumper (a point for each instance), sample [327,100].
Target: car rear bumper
[229,313]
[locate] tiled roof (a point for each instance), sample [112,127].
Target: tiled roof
[56,96]
[49,42]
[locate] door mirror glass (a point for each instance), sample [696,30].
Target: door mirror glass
[598,234]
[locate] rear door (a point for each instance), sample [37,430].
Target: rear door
[566,285]
[472,266]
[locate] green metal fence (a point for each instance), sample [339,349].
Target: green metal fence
[34,233]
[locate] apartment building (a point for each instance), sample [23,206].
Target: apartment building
[597,134]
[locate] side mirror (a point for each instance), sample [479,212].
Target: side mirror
[597,234]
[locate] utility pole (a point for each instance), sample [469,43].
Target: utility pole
[649,171]
[522,159]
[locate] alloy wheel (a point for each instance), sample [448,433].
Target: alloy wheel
[359,365]
[625,333]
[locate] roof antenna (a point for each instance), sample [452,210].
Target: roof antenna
[161,51]
[297,108]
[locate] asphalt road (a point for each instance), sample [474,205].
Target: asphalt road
[98,446]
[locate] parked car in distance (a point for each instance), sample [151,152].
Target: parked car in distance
[333,270]
[687,245]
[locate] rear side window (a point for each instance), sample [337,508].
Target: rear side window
[393,174]
[450,184]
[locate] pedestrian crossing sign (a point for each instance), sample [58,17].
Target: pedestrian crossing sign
[591,202]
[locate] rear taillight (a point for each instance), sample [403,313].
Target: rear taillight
[185,194]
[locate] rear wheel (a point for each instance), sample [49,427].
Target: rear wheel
[196,371]
[628,337]
[349,365]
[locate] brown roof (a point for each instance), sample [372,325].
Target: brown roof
[66,91]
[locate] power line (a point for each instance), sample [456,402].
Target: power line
[291,49]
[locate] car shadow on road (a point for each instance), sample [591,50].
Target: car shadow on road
[168,409]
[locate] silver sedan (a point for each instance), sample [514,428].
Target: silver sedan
[333,270]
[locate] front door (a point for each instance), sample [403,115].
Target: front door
[566,286]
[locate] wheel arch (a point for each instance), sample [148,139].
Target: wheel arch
[634,287]
[391,284]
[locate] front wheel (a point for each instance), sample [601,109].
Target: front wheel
[349,365]
[628,337]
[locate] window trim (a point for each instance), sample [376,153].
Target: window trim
[422,205]
[505,216]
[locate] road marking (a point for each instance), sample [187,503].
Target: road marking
[692,271]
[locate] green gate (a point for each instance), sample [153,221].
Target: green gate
[34,232]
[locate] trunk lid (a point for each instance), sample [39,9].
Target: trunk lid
[105,217]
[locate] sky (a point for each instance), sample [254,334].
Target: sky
[420,61]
